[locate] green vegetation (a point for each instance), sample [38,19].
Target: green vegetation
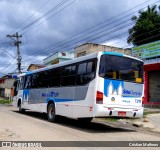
[5,101]
[147,26]
[111,119]
[149,112]
[145,114]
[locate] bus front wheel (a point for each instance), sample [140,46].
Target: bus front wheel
[21,110]
[51,113]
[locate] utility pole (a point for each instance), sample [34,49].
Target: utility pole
[17,43]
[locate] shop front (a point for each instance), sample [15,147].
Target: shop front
[150,53]
[152,84]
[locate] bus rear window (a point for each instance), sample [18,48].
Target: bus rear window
[122,68]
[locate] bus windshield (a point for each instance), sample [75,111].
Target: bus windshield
[122,68]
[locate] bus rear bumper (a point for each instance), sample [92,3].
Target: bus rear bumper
[102,111]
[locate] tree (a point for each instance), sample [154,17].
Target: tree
[146,28]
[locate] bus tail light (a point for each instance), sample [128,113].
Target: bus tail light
[99,98]
[142,101]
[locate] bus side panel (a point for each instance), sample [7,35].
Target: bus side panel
[32,99]
[64,101]
[99,109]
[18,97]
[84,100]
[37,99]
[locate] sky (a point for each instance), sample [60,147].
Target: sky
[48,26]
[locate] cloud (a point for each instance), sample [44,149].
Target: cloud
[78,17]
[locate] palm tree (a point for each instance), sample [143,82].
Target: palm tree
[146,28]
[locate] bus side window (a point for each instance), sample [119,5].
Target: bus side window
[16,87]
[54,78]
[35,80]
[91,70]
[81,77]
[66,71]
[91,66]
[82,68]
[43,78]
[86,72]
[22,82]
[28,82]
[68,76]
[73,70]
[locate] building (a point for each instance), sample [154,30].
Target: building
[150,53]
[7,86]
[58,57]
[35,67]
[88,48]
[7,81]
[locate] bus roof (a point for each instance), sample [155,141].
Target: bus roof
[75,60]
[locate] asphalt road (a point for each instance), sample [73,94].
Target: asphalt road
[33,126]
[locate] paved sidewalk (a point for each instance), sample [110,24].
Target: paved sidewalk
[149,123]
[154,119]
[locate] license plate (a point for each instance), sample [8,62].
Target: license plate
[121,113]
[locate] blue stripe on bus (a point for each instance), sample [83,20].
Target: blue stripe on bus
[113,53]
[60,100]
[28,72]
[132,96]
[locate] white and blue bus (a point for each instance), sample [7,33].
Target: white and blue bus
[103,84]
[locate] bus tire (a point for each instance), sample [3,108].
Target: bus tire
[89,119]
[51,113]
[21,110]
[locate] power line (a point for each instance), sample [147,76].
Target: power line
[138,35]
[71,41]
[48,12]
[7,65]
[98,23]
[6,52]
[49,17]
[89,32]
[17,43]
[132,8]
[33,14]
[108,39]
[147,38]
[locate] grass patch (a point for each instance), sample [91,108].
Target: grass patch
[145,113]
[5,101]
[111,119]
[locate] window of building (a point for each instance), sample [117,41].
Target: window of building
[63,54]
[81,54]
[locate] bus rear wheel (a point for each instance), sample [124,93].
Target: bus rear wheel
[51,113]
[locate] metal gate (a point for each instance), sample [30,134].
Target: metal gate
[154,86]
